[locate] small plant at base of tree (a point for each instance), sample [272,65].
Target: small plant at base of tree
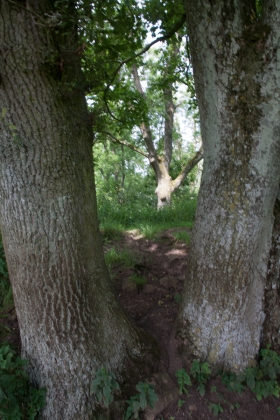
[201,373]
[104,386]
[177,298]
[260,379]
[183,380]
[146,397]
[216,408]
[18,399]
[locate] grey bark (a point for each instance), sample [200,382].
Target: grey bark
[70,321]
[237,76]
[161,164]
[271,327]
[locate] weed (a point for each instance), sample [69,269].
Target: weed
[146,397]
[234,406]
[260,379]
[181,403]
[18,400]
[120,257]
[183,380]
[216,408]
[177,298]
[139,281]
[201,373]
[104,386]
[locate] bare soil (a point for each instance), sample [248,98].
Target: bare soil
[162,262]
[153,307]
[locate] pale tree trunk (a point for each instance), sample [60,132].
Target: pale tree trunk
[70,322]
[161,164]
[236,70]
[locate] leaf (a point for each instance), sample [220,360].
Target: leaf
[201,390]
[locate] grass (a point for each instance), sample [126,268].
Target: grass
[183,237]
[117,256]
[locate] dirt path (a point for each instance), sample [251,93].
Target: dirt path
[163,264]
[153,306]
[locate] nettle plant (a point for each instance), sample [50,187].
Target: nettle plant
[104,386]
[260,379]
[200,372]
[146,397]
[18,399]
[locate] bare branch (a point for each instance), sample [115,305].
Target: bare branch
[187,169]
[131,146]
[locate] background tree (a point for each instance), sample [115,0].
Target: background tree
[160,158]
[70,321]
[122,107]
[235,55]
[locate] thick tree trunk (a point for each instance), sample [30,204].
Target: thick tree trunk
[236,70]
[70,321]
[271,327]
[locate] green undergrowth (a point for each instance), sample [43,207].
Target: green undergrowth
[105,388]
[115,231]
[18,399]
[139,215]
[262,380]
[117,256]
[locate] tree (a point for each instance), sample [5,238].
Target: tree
[160,162]
[121,105]
[235,53]
[70,321]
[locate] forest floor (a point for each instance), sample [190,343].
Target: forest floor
[161,264]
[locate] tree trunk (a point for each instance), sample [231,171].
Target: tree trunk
[161,164]
[70,321]
[271,327]
[236,70]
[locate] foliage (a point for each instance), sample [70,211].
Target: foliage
[146,397]
[18,399]
[104,386]
[120,257]
[183,379]
[201,373]
[216,408]
[177,297]
[183,237]
[139,281]
[261,379]
[198,371]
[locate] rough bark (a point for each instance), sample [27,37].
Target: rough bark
[70,321]
[237,77]
[271,327]
[161,164]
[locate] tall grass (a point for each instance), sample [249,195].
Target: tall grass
[143,215]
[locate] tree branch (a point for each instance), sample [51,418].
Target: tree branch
[169,34]
[186,169]
[131,146]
